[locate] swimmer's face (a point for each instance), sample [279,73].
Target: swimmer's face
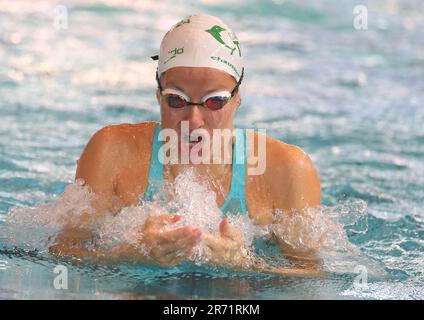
[196,83]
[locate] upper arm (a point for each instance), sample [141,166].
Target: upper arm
[297,189]
[298,185]
[98,167]
[304,188]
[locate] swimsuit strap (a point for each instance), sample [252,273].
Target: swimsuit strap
[235,201]
[155,172]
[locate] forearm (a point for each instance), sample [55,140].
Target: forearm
[122,253]
[309,265]
[301,236]
[87,249]
[80,242]
[304,260]
[249,262]
[295,272]
[153,244]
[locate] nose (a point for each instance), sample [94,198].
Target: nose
[194,117]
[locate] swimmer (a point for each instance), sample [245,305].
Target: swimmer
[199,74]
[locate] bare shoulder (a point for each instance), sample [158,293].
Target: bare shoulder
[124,132]
[287,156]
[109,150]
[290,175]
[280,155]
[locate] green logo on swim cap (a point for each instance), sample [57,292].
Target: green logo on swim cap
[226,62]
[216,30]
[174,53]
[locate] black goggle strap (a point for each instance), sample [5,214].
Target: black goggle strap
[157,80]
[238,83]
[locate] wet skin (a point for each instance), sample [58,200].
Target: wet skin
[115,165]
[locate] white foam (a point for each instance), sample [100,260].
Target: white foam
[320,227]
[36,226]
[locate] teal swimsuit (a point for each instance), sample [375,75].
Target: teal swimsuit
[235,201]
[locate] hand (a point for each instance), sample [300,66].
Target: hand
[227,249]
[168,248]
[70,242]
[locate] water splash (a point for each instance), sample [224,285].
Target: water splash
[323,230]
[36,226]
[320,228]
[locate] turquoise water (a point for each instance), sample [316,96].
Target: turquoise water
[352,99]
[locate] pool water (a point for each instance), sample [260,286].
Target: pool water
[352,99]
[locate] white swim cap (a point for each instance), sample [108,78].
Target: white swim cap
[201,40]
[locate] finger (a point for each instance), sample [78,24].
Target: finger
[180,233]
[169,255]
[182,244]
[180,254]
[214,243]
[160,221]
[228,231]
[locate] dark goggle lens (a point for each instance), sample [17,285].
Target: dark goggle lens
[216,103]
[212,103]
[175,101]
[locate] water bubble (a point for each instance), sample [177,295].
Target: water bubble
[320,230]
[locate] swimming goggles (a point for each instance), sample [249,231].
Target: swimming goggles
[215,101]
